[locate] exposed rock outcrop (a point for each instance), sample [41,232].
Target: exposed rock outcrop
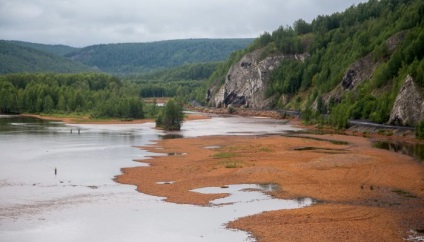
[247,81]
[408,109]
[362,70]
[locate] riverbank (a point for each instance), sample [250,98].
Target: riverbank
[373,132]
[364,194]
[89,120]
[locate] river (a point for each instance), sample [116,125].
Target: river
[83,203]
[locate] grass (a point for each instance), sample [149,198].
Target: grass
[232,164]
[224,155]
[404,193]
[227,155]
[227,162]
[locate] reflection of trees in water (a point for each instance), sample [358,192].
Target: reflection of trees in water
[414,150]
[305,200]
[269,187]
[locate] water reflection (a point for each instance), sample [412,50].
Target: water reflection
[414,150]
[243,195]
[82,203]
[171,136]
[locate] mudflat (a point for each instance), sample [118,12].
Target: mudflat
[362,193]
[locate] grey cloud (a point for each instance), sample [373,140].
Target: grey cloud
[82,22]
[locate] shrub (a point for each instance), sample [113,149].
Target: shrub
[231,109]
[419,130]
[171,116]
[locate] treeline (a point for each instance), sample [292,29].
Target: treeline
[99,95]
[94,94]
[186,90]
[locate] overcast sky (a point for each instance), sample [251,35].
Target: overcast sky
[81,23]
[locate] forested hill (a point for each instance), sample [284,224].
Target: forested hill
[61,50]
[22,58]
[348,65]
[130,58]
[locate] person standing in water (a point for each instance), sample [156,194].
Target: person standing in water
[55,171]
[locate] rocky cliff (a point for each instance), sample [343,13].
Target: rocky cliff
[408,109]
[247,81]
[361,70]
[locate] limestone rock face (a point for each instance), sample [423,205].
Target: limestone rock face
[408,109]
[247,81]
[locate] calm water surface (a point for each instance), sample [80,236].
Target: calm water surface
[83,203]
[414,150]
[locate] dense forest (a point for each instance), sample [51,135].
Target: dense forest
[187,82]
[333,43]
[18,58]
[130,59]
[94,94]
[133,58]
[98,95]
[60,50]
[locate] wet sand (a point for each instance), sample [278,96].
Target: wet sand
[364,194]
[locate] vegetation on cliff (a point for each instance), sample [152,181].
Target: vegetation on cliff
[387,35]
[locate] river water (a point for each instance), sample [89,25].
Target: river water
[83,203]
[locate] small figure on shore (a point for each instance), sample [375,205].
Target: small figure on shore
[55,171]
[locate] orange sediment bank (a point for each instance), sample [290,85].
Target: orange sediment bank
[364,194]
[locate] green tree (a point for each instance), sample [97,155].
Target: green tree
[171,116]
[61,105]
[302,27]
[48,104]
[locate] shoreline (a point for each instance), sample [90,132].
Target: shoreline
[365,193]
[87,120]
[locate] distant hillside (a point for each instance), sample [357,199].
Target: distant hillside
[199,71]
[61,50]
[130,58]
[17,58]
